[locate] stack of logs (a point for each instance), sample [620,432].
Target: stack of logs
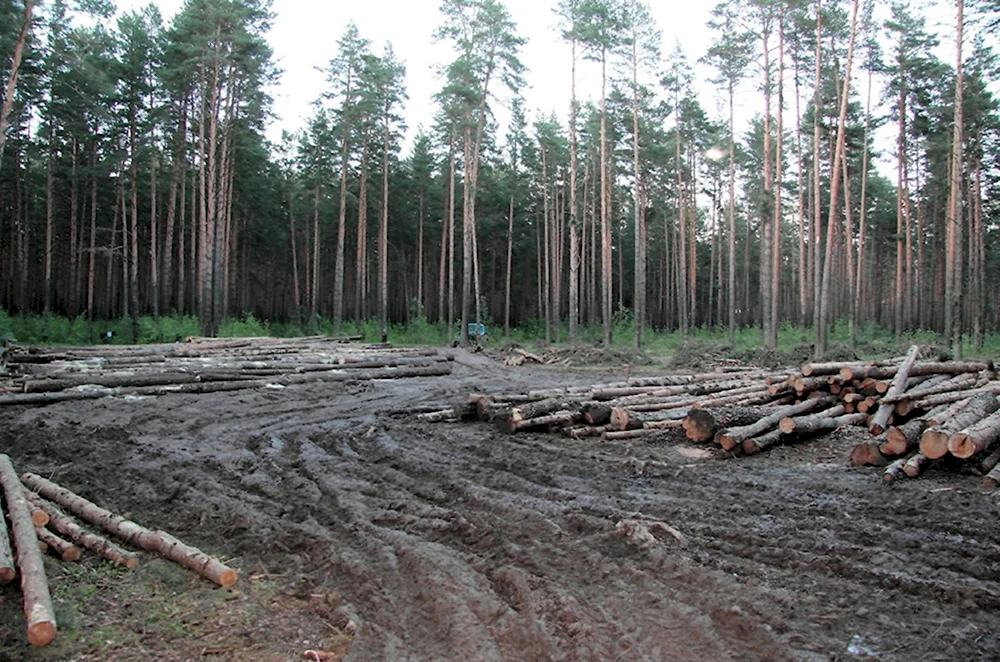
[38,525]
[54,374]
[940,407]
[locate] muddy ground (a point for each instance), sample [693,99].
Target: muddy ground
[452,542]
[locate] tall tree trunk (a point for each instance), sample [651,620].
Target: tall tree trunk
[953,327]
[681,245]
[73,304]
[314,285]
[361,261]
[420,253]
[574,247]
[779,168]
[451,233]
[732,215]
[383,234]
[859,278]
[835,186]
[979,279]
[546,248]
[803,246]
[154,264]
[92,252]
[466,235]
[510,256]
[49,213]
[816,235]
[639,286]
[768,230]
[296,290]
[176,175]
[133,228]
[10,89]
[338,271]
[605,221]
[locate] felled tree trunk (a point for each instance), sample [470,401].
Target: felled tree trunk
[153,541]
[731,437]
[934,441]
[38,611]
[975,438]
[700,425]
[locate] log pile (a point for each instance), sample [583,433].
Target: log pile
[41,375]
[917,411]
[39,525]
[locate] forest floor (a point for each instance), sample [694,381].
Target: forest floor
[360,531]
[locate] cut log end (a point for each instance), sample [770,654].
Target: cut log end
[72,553]
[227,578]
[727,442]
[7,575]
[934,444]
[42,633]
[787,425]
[39,517]
[961,446]
[868,454]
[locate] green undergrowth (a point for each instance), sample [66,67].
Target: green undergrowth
[794,343]
[101,609]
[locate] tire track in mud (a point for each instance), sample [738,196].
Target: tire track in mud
[452,542]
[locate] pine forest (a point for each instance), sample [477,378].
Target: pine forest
[137,179]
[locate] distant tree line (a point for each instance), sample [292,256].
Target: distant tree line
[136,178]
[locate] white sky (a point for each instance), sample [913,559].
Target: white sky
[305,33]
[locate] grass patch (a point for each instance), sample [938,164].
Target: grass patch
[873,341]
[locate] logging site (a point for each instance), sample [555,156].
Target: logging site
[340,500]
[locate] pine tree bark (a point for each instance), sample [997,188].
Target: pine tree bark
[825,303]
[10,89]
[953,222]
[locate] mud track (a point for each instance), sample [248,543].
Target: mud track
[453,542]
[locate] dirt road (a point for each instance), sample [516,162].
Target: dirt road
[453,542]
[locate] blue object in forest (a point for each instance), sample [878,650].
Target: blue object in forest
[477,330]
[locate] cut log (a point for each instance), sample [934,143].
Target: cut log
[66,550]
[438,416]
[915,465]
[557,420]
[583,431]
[159,542]
[38,516]
[895,471]
[934,440]
[805,424]
[700,425]
[992,479]
[61,523]
[730,438]
[868,454]
[945,412]
[597,413]
[755,445]
[623,419]
[899,439]
[38,611]
[832,368]
[975,438]
[938,384]
[884,413]
[508,421]
[7,570]
[988,463]
[612,435]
